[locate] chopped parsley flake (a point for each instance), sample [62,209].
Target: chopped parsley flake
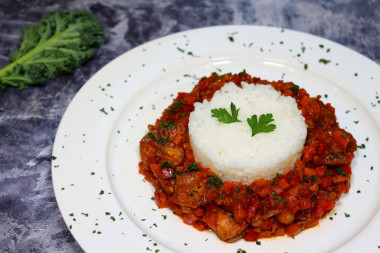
[193,167]
[151,136]
[103,111]
[361,146]
[167,124]
[324,61]
[340,172]
[177,105]
[161,141]
[214,180]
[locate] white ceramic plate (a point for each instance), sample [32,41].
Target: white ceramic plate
[108,206]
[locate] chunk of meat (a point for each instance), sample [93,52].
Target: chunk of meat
[192,190]
[147,150]
[166,184]
[334,159]
[172,154]
[223,225]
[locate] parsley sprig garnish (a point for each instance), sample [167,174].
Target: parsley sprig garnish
[223,116]
[262,125]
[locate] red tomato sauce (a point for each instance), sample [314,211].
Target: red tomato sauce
[285,205]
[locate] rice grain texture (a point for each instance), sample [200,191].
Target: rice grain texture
[230,150]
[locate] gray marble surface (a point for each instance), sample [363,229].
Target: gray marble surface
[29,217]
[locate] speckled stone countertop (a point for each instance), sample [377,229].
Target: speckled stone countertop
[30,220]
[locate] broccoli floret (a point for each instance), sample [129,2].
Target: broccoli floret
[58,44]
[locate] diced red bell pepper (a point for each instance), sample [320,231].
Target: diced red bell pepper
[309,172]
[251,210]
[308,153]
[325,204]
[189,98]
[251,235]
[321,171]
[326,182]
[160,199]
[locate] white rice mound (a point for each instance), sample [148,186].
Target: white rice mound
[230,150]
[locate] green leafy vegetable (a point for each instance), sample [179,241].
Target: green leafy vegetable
[58,44]
[262,125]
[223,116]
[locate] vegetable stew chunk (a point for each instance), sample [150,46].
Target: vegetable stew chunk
[192,190]
[223,224]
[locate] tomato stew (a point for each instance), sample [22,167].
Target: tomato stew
[285,205]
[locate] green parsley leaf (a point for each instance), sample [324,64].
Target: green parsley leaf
[262,125]
[223,116]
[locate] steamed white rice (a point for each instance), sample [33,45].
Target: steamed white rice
[230,150]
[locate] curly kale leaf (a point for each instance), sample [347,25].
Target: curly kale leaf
[57,45]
